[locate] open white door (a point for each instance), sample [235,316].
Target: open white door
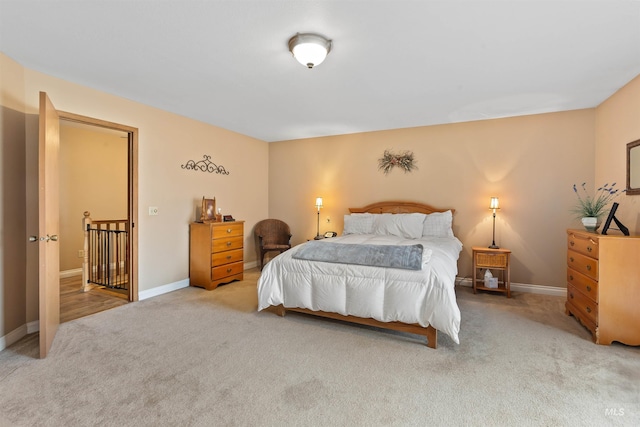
[48,211]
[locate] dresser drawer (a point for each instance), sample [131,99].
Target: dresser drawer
[226,270]
[226,257]
[587,306]
[227,244]
[584,244]
[582,283]
[230,230]
[583,264]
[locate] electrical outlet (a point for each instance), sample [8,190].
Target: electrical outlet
[81,253]
[153,210]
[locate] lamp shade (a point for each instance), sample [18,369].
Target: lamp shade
[318,202]
[494,203]
[309,49]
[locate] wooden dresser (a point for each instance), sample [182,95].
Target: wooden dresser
[216,253]
[603,285]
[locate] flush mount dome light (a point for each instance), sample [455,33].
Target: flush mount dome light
[309,49]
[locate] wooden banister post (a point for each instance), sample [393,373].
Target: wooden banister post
[86,222]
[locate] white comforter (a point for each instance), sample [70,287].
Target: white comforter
[426,296]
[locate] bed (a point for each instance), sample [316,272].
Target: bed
[414,292]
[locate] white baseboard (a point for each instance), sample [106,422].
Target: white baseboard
[12,337]
[159,290]
[18,333]
[523,287]
[154,292]
[539,289]
[71,273]
[33,327]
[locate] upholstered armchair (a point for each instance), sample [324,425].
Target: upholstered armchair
[272,235]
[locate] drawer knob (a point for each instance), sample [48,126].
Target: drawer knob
[588,309]
[571,276]
[571,259]
[228,256]
[228,230]
[571,295]
[228,243]
[588,288]
[588,268]
[589,249]
[229,271]
[571,243]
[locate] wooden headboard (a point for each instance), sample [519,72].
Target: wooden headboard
[398,207]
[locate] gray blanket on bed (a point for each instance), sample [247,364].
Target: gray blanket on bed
[407,257]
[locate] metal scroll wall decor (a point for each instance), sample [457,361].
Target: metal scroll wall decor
[205,165]
[389,160]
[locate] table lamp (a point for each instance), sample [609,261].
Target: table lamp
[494,205]
[319,206]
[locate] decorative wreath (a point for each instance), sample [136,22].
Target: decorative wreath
[389,160]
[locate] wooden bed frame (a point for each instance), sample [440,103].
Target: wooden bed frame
[378,208]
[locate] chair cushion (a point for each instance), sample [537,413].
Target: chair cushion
[276,247]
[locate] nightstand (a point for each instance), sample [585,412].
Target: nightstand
[496,260]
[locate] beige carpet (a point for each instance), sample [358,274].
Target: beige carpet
[207,358]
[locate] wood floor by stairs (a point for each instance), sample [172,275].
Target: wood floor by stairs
[74,303]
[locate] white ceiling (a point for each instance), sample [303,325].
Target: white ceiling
[393,63]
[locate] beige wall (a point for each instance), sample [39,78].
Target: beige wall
[529,162]
[617,124]
[13,236]
[93,178]
[166,141]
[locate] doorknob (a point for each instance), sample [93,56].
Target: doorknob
[54,237]
[44,239]
[33,238]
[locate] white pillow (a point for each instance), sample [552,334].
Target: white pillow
[438,224]
[408,226]
[358,224]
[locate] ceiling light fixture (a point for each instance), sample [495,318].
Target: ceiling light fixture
[309,49]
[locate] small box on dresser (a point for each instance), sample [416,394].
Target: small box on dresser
[216,253]
[603,285]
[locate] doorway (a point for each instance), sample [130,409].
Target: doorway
[97,176]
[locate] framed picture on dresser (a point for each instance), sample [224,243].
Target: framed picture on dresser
[612,217]
[208,210]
